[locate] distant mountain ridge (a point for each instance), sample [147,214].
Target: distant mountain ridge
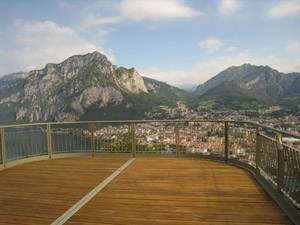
[230,94]
[162,88]
[262,82]
[7,80]
[90,87]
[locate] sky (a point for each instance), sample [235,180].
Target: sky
[181,42]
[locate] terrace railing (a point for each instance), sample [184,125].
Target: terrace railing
[250,145]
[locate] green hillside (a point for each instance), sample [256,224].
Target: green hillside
[229,94]
[167,91]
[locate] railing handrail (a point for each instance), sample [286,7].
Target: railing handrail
[118,121]
[295,149]
[153,121]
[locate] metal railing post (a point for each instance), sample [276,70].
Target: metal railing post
[133,139]
[3,148]
[49,145]
[280,169]
[226,142]
[257,148]
[177,139]
[92,139]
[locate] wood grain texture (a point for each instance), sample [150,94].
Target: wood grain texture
[148,191]
[39,192]
[181,191]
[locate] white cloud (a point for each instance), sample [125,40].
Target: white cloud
[201,71]
[211,45]
[90,20]
[174,77]
[107,20]
[206,69]
[293,47]
[137,10]
[155,10]
[232,49]
[227,7]
[284,9]
[44,42]
[103,33]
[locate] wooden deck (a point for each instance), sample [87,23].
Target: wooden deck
[148,191]
[38,193]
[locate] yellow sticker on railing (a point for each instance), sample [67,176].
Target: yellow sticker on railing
[278,138]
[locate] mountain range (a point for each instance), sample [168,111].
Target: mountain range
[90,87]
[83,87]
[250,86]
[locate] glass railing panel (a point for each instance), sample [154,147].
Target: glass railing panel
[25,142]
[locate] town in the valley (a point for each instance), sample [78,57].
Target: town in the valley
[203,137]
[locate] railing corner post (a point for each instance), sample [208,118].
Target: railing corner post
[133,140]
[92,139]
[3,148]
[49,144]
[226,142]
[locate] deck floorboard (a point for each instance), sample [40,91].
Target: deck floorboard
[40,192]
[181,191]
[148,191]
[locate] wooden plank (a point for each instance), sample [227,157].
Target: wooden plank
[181,191]
[75,208]
[40,192]
[99,219]
[149,191]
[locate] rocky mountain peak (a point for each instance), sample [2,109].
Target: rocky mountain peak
[88,58]
[65,91]
[265,82]
[130,80]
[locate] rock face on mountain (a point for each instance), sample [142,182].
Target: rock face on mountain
[261,82]
[11,78]
[90,87]
[63,92]
[261,79]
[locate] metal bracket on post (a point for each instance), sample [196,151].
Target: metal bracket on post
[49,145]
[92,139]
[133,140]
[177,139]
[3,148]
[226,142]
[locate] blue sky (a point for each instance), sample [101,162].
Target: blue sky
[182,42]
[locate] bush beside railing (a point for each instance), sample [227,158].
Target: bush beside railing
[247,144]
